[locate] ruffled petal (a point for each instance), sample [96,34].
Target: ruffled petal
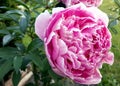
[41,24]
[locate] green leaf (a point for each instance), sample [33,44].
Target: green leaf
[20,47]
[114,30]
[36,7]
[26,40]
[4,31]
[17,62]
[4,7]
[39,1]
[5,68]
[36,60]
[36,43]
[14,17]
[46,65]
[16,78]
[25,62]
[7,39]
[14,28]
[113,23]
[14,12]
[2,61]
[117,2]
[23,23]
[54,75]
[4,17]
[8,52]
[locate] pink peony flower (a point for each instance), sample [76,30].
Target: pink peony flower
[95,3]
[77,42]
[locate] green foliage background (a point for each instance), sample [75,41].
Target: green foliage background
[20,48]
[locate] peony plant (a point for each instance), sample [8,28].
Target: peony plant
[77,41]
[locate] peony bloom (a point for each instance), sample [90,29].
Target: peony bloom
[77,42]
[88,3]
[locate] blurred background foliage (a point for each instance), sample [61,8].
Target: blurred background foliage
[21,50]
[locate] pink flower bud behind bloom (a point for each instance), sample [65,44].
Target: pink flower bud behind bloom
[77,42]
[88,3]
